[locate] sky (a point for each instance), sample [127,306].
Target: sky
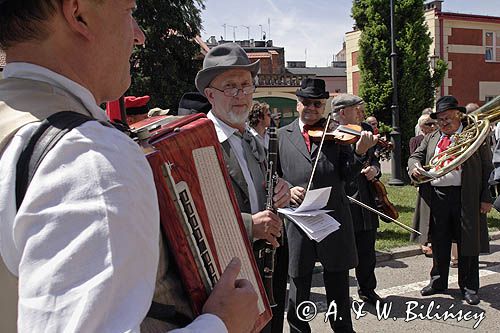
[308,30]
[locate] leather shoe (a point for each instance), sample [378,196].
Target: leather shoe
[470,298]
[429,290]
[370,297]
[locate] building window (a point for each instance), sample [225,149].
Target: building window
[488,98]
[491,46]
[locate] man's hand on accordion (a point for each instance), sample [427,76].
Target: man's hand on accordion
[267,225]
[234,301]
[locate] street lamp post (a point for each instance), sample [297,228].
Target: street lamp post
[433,61]
[396,172]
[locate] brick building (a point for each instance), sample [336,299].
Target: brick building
[469,43]
[277,83]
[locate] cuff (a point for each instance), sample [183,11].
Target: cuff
[206,323]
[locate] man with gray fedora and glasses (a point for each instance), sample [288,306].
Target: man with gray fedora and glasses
[227,80]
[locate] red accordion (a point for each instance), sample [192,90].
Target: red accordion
[198,208]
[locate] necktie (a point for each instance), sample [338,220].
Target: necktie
[307,140]
[257,149]
[444,143]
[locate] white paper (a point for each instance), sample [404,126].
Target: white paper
[317,227]
[315,199]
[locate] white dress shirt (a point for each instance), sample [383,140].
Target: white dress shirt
[226,132]
[264,141]
[84,242]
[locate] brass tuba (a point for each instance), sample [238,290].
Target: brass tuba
[477,126]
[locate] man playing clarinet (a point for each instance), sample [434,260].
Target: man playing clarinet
[227,81]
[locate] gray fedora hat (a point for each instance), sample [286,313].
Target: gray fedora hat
[222,58]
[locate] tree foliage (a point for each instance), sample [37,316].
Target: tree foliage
[416,83]
[166,66]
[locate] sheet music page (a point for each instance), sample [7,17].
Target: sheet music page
[316,227]
[314,200]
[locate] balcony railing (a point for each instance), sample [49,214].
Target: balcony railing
[280,80]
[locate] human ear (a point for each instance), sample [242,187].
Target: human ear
[75,13]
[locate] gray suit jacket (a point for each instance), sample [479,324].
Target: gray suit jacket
[475,174]
[239,184]
[337,164]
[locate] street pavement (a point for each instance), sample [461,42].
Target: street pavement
[400,279]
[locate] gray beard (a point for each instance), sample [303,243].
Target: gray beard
[237,119]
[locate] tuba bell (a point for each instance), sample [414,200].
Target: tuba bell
[477,127]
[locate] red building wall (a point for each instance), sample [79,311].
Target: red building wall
[469,69]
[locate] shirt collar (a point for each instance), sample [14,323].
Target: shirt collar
[223,130]
[459,130]
[24,70]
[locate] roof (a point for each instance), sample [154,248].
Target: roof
[469,17]
[318,71]
[2,59]
[254,55]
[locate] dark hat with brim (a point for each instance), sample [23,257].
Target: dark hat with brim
[446,103]
[312,88]
[222,58]
[193,102]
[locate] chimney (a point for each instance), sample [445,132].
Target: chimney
[436,5]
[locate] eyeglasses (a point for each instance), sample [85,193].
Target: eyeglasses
[430,124]
[233,92]
[316,104]
[445,120]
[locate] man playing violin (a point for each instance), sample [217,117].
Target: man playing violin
[336,165]
[349,109]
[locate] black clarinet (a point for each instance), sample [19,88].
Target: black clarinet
[265,250]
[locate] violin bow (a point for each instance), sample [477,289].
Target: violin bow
[404,226]
[350,198]
[319,151]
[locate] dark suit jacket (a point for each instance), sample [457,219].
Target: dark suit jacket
[475,174]
[361,189]
[415,142]
[336,165]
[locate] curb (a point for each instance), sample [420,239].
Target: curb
[413,250]
[401,252]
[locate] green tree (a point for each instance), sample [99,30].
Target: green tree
[166,66]
[416,83]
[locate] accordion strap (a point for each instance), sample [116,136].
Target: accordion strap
[43,139]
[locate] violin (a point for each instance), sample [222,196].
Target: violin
[382,200]
[349,134]
[345,134]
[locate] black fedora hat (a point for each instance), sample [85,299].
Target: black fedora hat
[222,58]
[193,102]
[446,103]
[312,88]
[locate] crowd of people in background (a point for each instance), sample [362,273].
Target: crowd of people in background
[80,246]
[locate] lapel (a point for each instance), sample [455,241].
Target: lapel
[431,147]
[257,171]
[234,167]
[297,140]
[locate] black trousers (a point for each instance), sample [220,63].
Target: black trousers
[337,289]
[446,214]
[365,271]
[280,277]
